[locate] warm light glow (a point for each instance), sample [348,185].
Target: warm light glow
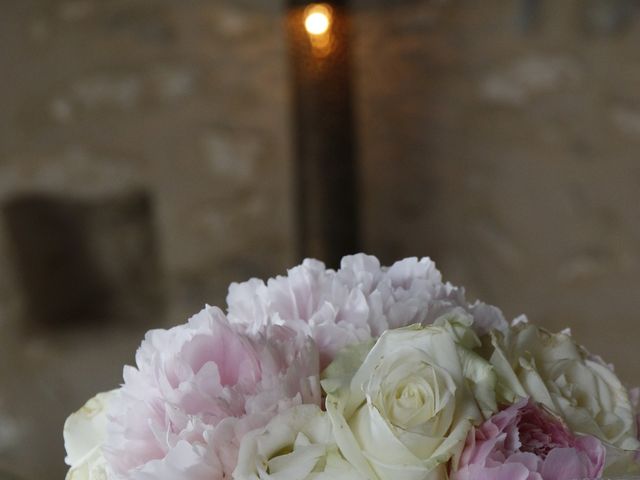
[317,19]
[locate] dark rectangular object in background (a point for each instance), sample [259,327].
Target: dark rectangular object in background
[83,262]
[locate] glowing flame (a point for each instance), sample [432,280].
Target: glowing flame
[317,19]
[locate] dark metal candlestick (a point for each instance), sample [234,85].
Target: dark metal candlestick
[326,181]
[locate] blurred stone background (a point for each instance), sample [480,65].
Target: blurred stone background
[150,143]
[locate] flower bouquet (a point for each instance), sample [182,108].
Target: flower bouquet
[365,372]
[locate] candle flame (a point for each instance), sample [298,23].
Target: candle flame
[317,19]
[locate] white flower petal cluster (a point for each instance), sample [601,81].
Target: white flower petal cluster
[555,371]
[84,433]
[403,409]
[296,445]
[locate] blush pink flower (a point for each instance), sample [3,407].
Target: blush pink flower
[311,300]
[197,389]
[356,303]
[525,442]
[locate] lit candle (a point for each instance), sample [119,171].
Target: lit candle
[325,177]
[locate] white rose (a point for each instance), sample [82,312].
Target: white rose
[297,444]
[553,370]
[84,434]
[405,410]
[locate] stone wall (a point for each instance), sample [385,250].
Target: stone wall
[501,138]
[183,102]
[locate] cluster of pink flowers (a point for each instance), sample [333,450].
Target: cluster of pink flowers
[358,302]
[225,383]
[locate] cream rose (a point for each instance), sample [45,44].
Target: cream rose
[553,370]
[297,444]
[84,434]
[403,409]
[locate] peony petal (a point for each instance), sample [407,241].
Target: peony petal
[507,471]
[564,464]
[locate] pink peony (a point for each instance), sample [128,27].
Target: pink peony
[197,389]
[525,442]
[353,304]
[311,300]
